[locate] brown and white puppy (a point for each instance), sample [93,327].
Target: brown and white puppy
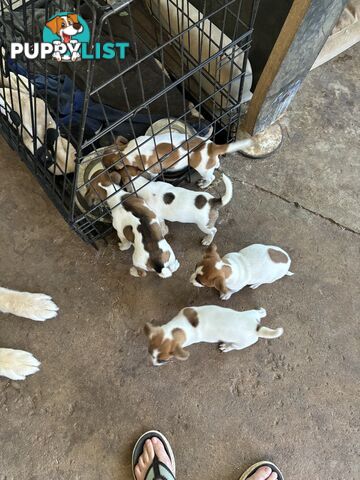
[173,152]
[136,224]
[254,265]
[177,204]
[210,324]
[17,364]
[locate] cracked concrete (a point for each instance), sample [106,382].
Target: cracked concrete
[293,400]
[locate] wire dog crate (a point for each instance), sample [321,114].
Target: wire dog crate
[186,70]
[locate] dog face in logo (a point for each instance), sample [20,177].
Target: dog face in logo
[65,26]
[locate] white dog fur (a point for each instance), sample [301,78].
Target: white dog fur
[211,324]
[254,265]
[17,364]
[123,219]
[177,204]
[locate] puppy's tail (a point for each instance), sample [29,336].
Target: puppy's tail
[225,199]
[265,332]
[232,147]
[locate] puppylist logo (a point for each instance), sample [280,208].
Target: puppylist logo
[66,37]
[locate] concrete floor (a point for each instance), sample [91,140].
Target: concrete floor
[292,400]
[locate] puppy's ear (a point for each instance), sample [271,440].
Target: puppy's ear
[219,284]
[115,178]
[148,329]
[180,353]
[73,17]
[54,25]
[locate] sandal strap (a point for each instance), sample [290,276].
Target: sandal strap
[159,471]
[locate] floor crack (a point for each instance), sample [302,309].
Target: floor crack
[298,205]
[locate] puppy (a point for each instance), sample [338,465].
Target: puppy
[66,27]
[172,152]
[136,224]
[17,364]
[211,324]
[176,204]
[253,265]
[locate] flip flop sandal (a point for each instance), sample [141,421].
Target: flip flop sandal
[251,470]
[157,470]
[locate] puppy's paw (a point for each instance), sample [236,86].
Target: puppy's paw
[17,364]
[124,246]
[225,347]
[175,266]
[225,296]
[207,240]
[134,272]
[203,183]
[36,306]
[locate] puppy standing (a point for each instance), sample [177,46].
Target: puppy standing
[172,152]
[176,204]
[17,364]
[254,265]
[136,224]
[211,324]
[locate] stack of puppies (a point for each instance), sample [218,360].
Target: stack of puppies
[140,208]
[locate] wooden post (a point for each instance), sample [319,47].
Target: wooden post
[306,29]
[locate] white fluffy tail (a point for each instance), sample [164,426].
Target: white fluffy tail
[225,199]
[236,146]
[290,274]
[265,332]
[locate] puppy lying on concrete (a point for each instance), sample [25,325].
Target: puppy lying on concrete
[210,324]
[136,224]
[176,204]
[253,265]
[17,364]
[172,152]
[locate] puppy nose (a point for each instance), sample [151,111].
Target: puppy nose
[77,26]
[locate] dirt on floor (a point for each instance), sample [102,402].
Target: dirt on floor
[294,400]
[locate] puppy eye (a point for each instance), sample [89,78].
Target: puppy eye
[63,24]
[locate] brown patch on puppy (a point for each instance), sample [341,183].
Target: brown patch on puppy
[167,348]
[162,150]
[129,234]
[191,316]
[127,173]
[168,198]
[200,201]
[112,158]
[150,231]
[211,276]
[194,146]
[277,257]
[94,193]
[212,152]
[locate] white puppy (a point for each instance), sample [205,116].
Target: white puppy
[176,204]
[17,364]
[253,265]
[136,224]
[211,324]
